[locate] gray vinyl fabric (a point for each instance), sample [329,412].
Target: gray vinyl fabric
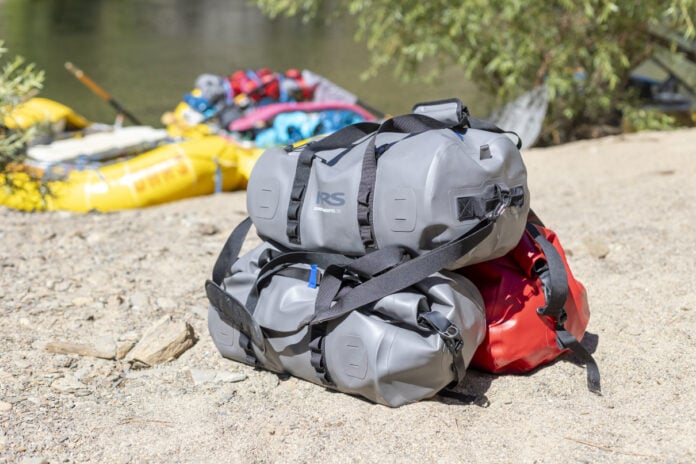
[384,355]
[419,181]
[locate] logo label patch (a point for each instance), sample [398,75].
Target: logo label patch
[328,202]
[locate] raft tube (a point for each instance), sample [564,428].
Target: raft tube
[167,173]
[268,112]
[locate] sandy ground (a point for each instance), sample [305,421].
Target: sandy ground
[624,207]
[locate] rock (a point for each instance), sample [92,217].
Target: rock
[62,286]
[201,312]
[208,229]
[70,385]
[165,303]
[201,376]
[5,407]
[123,348]
[82,301]
[116,303]
[102,347]
[139,300]
[33,460]
[62,361]
[596,247]
[162,342]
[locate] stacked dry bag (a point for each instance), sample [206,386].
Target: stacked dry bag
[388,259]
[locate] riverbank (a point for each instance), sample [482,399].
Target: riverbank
[624,207]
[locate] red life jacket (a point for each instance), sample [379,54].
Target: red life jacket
[535,308]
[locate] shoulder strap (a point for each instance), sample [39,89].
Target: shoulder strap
[554,280]
[230,251]
[401,276]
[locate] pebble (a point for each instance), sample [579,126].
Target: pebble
[33,460]
[62,286]
[116,303]
[202,376]
[201,312]
[70,385]
[82,301]
[596,247]
[165,303]
[208,229]
[5,407]
[139,300]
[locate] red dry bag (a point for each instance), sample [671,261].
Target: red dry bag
[535,308]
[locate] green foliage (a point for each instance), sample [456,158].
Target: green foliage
[582,49]
[18,81]
[640,119]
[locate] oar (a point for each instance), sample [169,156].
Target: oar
[100,92]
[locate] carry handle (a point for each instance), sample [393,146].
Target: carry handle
[271,268]
[303,169]
[450,111]
[554,278]
[343,137]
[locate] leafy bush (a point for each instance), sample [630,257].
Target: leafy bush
[18,81]
[583,50]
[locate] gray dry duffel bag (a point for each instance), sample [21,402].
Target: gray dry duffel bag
[417,181]
[317,316]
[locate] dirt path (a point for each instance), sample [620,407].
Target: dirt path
[624,207]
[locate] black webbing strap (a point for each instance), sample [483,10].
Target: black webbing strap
[566,340]
[317,349]
[231,310]
[230,251]
[553,277]
[454,113]
[406,124]
[279,264]
[234,313]
[402,276]
[339,139]
[452,337]
[490,127]
[554,280]
[248,347]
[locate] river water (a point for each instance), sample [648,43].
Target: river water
[148,53]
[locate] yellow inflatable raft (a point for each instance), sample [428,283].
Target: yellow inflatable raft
[38,110]
[171,171]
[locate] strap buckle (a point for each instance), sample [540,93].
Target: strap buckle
[504,201]
[447,330]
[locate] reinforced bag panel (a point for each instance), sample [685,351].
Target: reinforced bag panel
[535,308]
[416,181]
[404,347]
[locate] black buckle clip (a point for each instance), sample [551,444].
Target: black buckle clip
[449,332]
